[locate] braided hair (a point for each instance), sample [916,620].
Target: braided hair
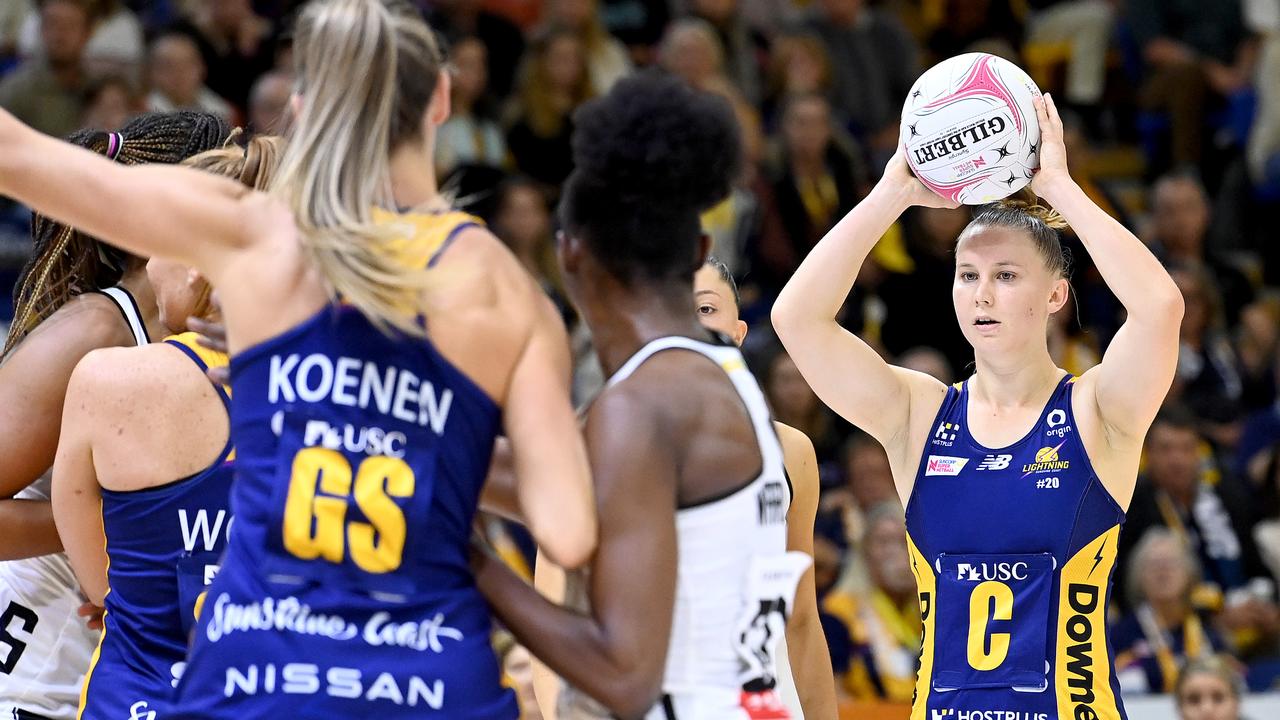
[65,262]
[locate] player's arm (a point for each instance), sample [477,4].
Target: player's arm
[552,479]
[806,644]
[77,496]
[1135,373]
[618,652]
[827,355]
[33,388]
[550,580]
[137,207]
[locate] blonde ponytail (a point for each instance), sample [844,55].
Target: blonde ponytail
[366,71]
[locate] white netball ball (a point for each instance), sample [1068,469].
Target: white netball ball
[969,128]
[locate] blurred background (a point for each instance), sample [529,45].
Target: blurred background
[1172,110]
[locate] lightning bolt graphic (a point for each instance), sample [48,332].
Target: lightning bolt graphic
[1097,558]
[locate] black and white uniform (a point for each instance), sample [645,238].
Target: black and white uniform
[45,647]
[735,583]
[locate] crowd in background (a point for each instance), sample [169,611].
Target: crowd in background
[1173,114]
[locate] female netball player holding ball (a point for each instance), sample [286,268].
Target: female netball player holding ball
[363,427]
[1016,480]
[687,594]
[156,486]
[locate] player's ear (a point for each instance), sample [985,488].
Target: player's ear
[739,332]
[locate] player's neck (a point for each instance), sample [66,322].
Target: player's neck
[626,320]
[413,180]
[1014,384]
[136,282]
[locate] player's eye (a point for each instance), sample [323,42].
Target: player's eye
[706,309]
[968,276]
[1005,275]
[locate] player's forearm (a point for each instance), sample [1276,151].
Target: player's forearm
[1136,277]
[821,284]
[810,659]
[28,529]
[573,645]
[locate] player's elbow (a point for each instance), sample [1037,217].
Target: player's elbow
[633,695]
[566,541]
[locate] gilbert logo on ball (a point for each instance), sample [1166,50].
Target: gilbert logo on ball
[969,129]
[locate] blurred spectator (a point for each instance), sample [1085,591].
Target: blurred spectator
[988,26]
[1264,140]
[918,302]
[1208,377]
[1086,26]
[794,404]
[236,45]
[885,620]
[638,24]
[502,39]
[875,62]
[1208,689]
[816,181]
[1257,343]
[1258,440]
[471,134]
[47,91]
[1213,520]
[1164,630]
[109,103]
[1267,531]
[1180,234]
[1194,51]
[524,13]
[607,59]
[12,13]
[1070,347]
[553,83]
[177,77]
[928,361]
[269,103]
[742,47]
[692,51]
[798,66]
[523,223]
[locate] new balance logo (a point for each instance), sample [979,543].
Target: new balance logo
[995,462]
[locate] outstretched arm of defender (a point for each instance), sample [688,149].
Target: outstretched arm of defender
[137,208]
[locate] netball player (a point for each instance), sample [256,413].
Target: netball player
[74,295]
[715,297]
[144,461]
[362,426]
[1016,480]
[690,586]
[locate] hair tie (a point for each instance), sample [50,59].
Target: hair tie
[115,143]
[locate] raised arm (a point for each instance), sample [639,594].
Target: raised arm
[552,480]
[806,644]
[77,497]
[617,653]
[1130,384]
[186,214]
[849,376]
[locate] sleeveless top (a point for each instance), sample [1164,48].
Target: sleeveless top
[735,580]
[346,588]
[45,647]
[1013,551]
[164,544]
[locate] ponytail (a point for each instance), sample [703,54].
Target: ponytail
[366,73]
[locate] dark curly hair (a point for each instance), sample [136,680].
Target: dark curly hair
[649,157]
[66,262]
